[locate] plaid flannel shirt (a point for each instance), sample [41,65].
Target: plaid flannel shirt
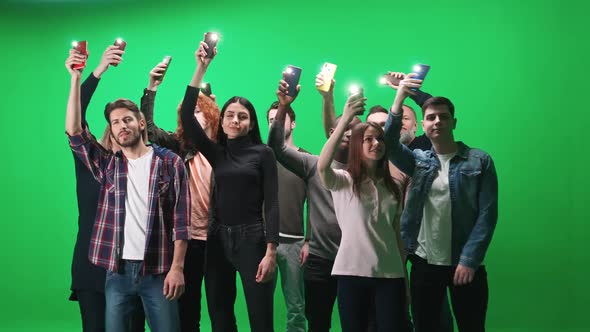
[168,202]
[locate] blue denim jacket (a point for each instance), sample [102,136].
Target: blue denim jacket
[474,195]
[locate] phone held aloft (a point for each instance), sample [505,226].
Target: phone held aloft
[82,47]
[211,39]
[121,44]
[206,89]
[167,59]
[420,70]
[328,72]
[292,76]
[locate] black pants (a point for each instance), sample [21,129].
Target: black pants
[428,285]
[237,248]
[358,296]
[320,293]
[92,311]
[189,304]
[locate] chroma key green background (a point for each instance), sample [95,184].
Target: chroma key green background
[516,71]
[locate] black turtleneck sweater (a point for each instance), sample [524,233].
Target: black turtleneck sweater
[245,175]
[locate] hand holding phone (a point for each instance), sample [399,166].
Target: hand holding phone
[167,59]
[211,39]
[292,76]
[121,44]
[392,79]
[328,72]
[81,47]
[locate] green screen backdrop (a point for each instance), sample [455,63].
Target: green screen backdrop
[514,69]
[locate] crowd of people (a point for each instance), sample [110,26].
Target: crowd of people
[161,212]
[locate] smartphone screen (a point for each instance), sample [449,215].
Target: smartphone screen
[211,39]
[82,47]
[292,78]
[328,71]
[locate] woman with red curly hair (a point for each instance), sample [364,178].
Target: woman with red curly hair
[200,175]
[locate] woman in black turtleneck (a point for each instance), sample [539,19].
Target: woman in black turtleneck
[246,182]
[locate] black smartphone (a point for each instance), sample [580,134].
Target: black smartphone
[420,70]
[293,74]
[206,89]
[167,60]
[211,39]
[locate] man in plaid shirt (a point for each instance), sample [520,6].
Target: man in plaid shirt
[141,228]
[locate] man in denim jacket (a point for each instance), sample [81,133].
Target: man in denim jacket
[450,215]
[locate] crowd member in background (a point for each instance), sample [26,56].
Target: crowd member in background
[293,246]
[320,286]
[206,112]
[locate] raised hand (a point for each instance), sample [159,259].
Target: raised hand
[408,83]
[112,55]
[355,106]
[319,81]
[75,58]
[201,54]
[398,76]
[285,99]
[157,75]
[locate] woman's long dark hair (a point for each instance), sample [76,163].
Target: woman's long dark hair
[356,168]
[254,133]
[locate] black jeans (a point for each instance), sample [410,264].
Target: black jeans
[237,248]
[189,304]
[92,310]
[320,293]
[428,285]
[358,296]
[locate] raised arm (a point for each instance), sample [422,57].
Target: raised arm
[399,154]
[81,142]
[328,112]
[191,126]
[355,105]
[110,56]
[156,134]
[293,160]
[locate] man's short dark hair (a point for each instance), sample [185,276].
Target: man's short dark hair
[275,106]
[376,109]
[121,103]
[436,102]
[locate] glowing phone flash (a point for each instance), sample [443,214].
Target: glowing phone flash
[417,69]
[203,85]
[214,36]
[74,44]
[119,40]
[382,80]
[289,70]
[167,59]
[354,89]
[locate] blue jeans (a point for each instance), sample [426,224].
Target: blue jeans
[291,274]
[121,292]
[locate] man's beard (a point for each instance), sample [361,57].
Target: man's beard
[133,139]
[405,137]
